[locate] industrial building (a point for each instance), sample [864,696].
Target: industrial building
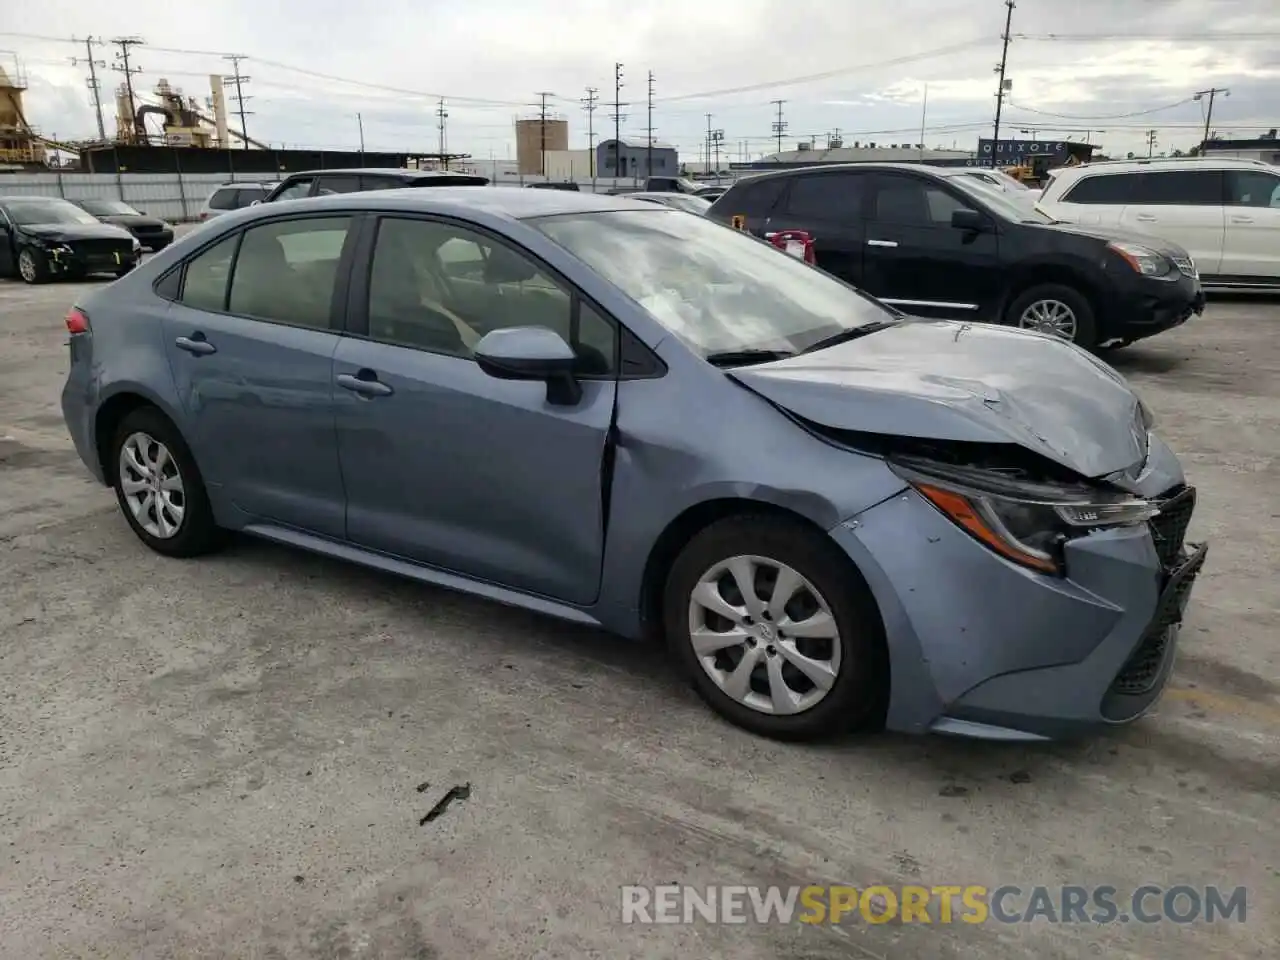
[630,158]
[19,145]
[537,137]
[807,156]
[1265,148]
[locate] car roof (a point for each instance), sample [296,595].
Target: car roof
[1160,163]
[403,173]
[924,168]
[509,203]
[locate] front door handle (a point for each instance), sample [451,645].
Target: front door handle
[882,243]
[1242,219]
[365,383]
[1145,218]
[195,344]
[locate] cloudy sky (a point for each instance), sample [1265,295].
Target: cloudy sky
[1107,69]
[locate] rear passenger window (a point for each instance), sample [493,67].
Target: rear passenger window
[286,272]
[756,199]
[1253,188]
[1193,188]
[832,196]
[205,285]
[1115,188]
[223,199]
[379,183]
[340,184]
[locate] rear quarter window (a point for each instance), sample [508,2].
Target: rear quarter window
[1112,188]
[751,199]
[223,198]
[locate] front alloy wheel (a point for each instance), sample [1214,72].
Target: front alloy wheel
[31,267]
[764,635]
[151,485]
[1049,316]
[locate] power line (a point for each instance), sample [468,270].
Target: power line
[134,128]
[238,79]
[1205,37]
[829,74]
[1004,62]
[93,83]
[1114,116]
[779,125]
[589,103]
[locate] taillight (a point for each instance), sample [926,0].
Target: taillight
[77,321]
[204,215]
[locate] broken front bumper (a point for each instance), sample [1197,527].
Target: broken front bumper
[981,647]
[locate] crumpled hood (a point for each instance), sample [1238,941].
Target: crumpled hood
[131,221]
[945,380]
[71,232]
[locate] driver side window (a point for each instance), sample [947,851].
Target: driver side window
[295,190]
[439,287]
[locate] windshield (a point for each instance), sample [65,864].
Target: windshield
[719,290]
[1000,203]
[109,208]
[41,210]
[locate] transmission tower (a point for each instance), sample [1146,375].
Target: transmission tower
[239,80]
[92,83]
[442,124]
[133,130]
[1003,87]
[779,125]
[589,103]
[542,131]
[617,116]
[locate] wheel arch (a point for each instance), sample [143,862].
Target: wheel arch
[1067,274]
[112,411]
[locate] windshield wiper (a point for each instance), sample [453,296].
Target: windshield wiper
[844,336]
[740,358]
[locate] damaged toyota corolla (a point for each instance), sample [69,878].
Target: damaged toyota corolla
[623,416]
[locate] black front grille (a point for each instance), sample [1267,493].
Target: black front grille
[148,228]
[1169,526]
[102,248]
[1141,671]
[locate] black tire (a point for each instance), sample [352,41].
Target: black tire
[1086,323]
[125,270]
[39,266]
[859,693]
[197,533]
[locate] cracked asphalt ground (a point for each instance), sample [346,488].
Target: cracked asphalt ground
[222,758]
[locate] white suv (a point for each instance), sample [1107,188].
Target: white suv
[1225,212]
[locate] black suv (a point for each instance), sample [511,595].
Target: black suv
[933,242]
[319,183]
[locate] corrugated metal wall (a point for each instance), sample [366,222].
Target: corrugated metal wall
[179,198]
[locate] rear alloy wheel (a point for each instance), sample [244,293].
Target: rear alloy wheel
[159,488]
[1056,310]
[776,629]
[32,267]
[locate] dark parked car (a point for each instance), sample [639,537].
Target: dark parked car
[235,195]
[618,414]
[320,183]
[943,244]
[44,237]
[556,185]
[153,233]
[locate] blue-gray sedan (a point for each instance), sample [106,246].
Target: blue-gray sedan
[624,416]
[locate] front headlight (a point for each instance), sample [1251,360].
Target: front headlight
[1026,522]
[1144,260]
[137,247]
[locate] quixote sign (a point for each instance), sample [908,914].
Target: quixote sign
[1016,153]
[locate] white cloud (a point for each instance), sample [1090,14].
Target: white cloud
[506,52]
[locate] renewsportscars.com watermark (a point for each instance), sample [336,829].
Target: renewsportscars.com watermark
[678,903]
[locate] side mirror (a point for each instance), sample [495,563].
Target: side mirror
[969,220]
[531,353]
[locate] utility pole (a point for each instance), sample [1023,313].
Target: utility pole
[1151,143]
[833,139]
[1211,93]
[93,84]
[779,125]
[442,116]
[122,66]
[707,152]
[1004,60]
[617,117]
[589,104]
[239,80]
[542,131]
[360,124]
[649,158]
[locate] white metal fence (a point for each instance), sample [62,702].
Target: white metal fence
[179,197]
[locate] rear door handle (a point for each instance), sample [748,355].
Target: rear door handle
[882,243]
[1145,218]
[1242,219]
[365,383]
[195,344]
